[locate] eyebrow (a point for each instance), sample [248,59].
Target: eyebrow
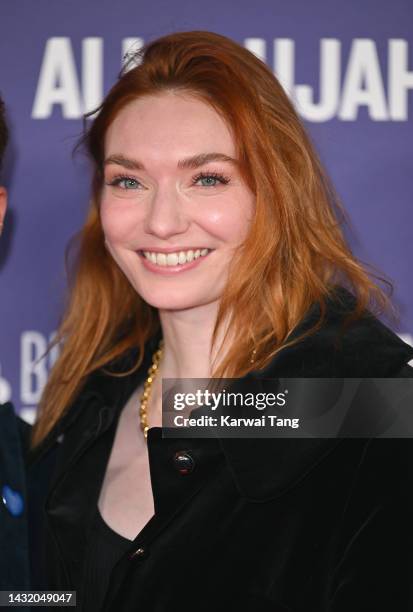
[189,162]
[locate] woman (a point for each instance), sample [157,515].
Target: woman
[212,248]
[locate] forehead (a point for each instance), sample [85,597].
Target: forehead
[168,125]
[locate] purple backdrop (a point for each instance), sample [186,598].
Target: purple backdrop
[348,67]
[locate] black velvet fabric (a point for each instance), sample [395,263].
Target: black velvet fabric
[259,525]
[105,548]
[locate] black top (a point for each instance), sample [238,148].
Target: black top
[105,548]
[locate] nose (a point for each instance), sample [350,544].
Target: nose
[166,215]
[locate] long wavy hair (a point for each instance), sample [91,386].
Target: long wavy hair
[295,252]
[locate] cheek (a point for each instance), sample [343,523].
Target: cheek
[229,222]
[119,221]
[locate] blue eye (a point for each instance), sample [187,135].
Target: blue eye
[124,182]
[212,179]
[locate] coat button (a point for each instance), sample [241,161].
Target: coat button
[12,500]
[184,463]
[138,553]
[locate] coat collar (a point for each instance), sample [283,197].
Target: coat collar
[367,349]
[100,401]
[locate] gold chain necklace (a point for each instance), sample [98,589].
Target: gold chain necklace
[147,387]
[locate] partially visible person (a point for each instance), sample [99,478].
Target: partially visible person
[14,560]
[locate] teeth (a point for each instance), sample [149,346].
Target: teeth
[173,259]
[161,259]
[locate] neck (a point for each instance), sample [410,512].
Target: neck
[187,338]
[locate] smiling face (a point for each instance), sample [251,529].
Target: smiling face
[174,206]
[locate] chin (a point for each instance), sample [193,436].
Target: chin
[168,300]
[166,303]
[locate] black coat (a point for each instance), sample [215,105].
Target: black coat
[297,525]
[14,558]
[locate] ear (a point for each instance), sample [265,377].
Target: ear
[3,205]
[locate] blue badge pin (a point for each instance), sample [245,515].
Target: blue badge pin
[13,500]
